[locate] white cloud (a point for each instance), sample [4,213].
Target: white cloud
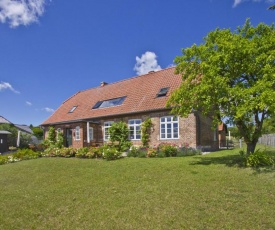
[147,62]
[49,110]
[21,12]
[6,85]
[237,2]
[28,103]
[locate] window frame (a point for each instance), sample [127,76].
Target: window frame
[77,133]
[91,133]
[166,123]
[73,109]
[109,103]
[105,129]
[135,125]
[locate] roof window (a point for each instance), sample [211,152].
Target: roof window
[162,92]
[72,109]
[109,103]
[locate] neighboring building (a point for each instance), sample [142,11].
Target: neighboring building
[4,141]
[24,129]
[85,118]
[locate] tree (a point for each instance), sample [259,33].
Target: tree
[230,76]
[269,125]
[119,134]
[38,132]
[271,7]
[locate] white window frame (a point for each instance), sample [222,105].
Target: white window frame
[168,120]
[107,125]
[91,133]
[77,133]
[134,126]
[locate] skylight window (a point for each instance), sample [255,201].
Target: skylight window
[72,109]
[162,92]
[109,103]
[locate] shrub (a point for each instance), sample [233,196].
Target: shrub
[110,153]
[94,152]
[3,159]
[119,134]
[188,151]
[82,152]
[67,152]
[133,152]
[259,158]
[26,154]
[169,150]
[142,153]
[152,152]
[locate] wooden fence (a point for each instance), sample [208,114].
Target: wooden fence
[267,139]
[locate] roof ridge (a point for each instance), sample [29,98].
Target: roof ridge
[126,79]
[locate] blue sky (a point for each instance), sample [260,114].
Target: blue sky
[49,50]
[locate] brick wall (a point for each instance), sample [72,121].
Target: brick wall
[195,130]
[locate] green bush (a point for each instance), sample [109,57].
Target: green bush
[26,154]
[3,159]
[82,152]
[110,153]
[152,152]
[259,158]
[133,152]
[188,151]
[169,150]
[67,152]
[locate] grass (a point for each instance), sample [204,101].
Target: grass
[200,192]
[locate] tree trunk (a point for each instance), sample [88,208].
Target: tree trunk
[250,147]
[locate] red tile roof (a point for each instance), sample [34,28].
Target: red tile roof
[140,95]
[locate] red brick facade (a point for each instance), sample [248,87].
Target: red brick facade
[194,131]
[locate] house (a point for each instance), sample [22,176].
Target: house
[85,117]
[24,129]
[4,141]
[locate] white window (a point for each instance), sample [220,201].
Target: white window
[77,133]
[169,127]
[134,129]
[91,133]
[107,125]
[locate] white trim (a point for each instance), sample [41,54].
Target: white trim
[77,133]
[135,128]
[107,127]
[166,123]
[88,132]
[91,135]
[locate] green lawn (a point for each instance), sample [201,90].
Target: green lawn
[200,192]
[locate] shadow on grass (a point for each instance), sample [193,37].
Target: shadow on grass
[235,160]
[228,160]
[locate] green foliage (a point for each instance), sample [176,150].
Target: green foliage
[152,152]
[19,155]
[169,150]
[230,76]
[38,132]
[133,152]
[258,158]
[51,135]
[119,134]
[137,152]
[146,131]
[269,125]
[59,140]
[25,139]
[188,151]
[85,152]
[26,154]
[110,153]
